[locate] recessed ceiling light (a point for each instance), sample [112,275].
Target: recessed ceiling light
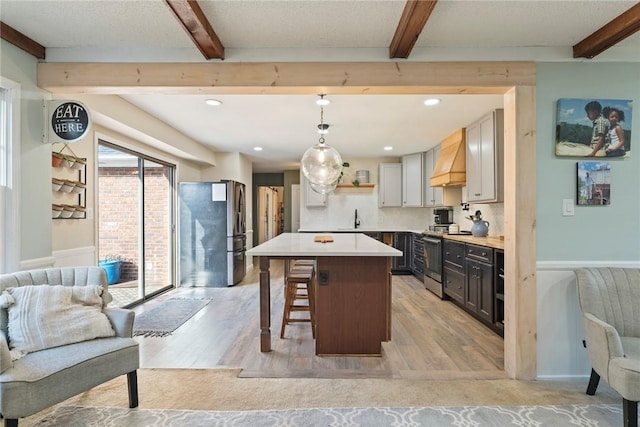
[430,102]
[257,148]
[388,148]
[213,102]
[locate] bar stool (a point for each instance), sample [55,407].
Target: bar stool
[299,287]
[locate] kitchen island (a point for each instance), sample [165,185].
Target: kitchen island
[352,290]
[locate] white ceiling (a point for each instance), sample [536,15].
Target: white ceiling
[303,30]
[286,125]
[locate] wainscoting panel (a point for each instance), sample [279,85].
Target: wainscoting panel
[561,354]
[75,257]
[35,263]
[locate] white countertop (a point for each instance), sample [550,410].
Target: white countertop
[360,230]
[302,244]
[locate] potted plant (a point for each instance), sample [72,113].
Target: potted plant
[78,163]
[56,159]
[67,160]
[112,265]
[344,165]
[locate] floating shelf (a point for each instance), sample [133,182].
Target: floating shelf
[345,185]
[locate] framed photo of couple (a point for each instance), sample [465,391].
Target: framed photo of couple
[594,128]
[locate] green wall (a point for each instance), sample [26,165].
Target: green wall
[595,233]
[290,177]
[34,188]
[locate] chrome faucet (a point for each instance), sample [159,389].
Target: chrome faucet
[356,222]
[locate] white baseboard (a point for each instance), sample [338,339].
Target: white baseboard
[580,378]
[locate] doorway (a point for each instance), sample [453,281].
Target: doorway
[270,212]
[135,223]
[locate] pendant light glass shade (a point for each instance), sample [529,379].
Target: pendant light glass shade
[323,189]
[321,164]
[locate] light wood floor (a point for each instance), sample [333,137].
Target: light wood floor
[431,339]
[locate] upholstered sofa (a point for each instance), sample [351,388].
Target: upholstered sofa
[42,378]
[610,304]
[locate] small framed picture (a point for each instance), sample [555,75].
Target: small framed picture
[594,183]
[594,128]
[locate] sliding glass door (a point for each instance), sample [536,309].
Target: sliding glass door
[136,223]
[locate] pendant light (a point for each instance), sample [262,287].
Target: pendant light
[323,189]
[322,164]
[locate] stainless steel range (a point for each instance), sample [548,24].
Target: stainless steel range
[433,258]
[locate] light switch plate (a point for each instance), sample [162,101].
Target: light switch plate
[568,207]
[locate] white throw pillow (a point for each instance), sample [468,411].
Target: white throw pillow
[6,361]
[45,316]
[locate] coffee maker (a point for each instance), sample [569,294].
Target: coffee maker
[443,216]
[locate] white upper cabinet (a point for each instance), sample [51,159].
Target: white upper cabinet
[432,195]
[412,180]
[390,185]
[485,158]
[313,199]
[437,196]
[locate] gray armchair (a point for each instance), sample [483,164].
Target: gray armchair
[610,303]
[46,377]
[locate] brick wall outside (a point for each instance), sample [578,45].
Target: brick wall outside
[118,221]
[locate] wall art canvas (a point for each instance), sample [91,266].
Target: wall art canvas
[594,183]
[594,127]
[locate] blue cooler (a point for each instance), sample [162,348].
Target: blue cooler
[112,268]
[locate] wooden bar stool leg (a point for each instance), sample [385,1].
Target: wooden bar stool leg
[311,293]
[286,310]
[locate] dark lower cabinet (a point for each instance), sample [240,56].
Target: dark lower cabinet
[374,234]
[453,270]
[498,281]
[417,256]
[470,279]
[453,281]
[402,242]
[479,289]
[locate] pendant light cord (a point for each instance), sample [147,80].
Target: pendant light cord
[321,140]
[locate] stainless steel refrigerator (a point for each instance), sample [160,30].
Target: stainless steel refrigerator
[212,233]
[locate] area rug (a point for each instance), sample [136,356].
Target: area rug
[462,416]
[167,316]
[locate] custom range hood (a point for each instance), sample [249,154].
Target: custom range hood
[450,170]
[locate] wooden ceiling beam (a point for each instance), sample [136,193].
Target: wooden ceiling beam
[285,77]
[18,39]
[413,19]
[610,34]
[195,23]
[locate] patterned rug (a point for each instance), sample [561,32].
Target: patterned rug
[464,416]
[167,316]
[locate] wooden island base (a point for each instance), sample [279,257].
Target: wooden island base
[353,305]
